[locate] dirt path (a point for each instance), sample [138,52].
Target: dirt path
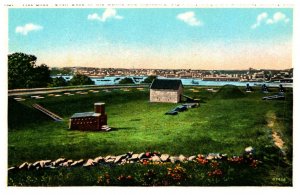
[276,138]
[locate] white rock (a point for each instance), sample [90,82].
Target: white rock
[64,164]
[111,160]
[58,161]
[36,164]
[78,162]
[174,159]
[191,158]
[164,157]
[70,161]
[107,157]
[155,159]
[98,159]
[211,156]
[134,157]
[11,168]
[89,162]
[43,163]
[141,155]
[249,149]
[119,158]
[182,158]
[30,166]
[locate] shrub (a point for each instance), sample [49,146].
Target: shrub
[126,81]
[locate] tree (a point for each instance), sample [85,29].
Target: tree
[149,79]
[80,79]
[23,72]
[58,82]
[41,76]
[20,67]
[126,80]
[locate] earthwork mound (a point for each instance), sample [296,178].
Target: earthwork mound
[229,92]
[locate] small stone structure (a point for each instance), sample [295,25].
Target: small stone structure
[166,90]
[90,121]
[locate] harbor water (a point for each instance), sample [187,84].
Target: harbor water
[114,80]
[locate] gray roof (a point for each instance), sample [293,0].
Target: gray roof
[173,84]
[85,114]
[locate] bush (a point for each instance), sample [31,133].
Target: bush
[126,81]
[58,82]
[80,79]
[149,79]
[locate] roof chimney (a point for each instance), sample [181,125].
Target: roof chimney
[99,108]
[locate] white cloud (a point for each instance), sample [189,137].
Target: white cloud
[259,19]
[254,26]
[278,17]
[263,17]
[189,18]
[24,30]
[269,21]
[107,14]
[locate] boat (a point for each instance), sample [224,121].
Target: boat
[106,80]
[195,82]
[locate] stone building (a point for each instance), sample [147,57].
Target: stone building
[90,121]
[166,90]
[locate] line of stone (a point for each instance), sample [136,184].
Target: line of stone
[127,158]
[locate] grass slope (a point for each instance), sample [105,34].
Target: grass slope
[229,92]
[225,125]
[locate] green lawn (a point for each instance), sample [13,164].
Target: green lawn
[218,125]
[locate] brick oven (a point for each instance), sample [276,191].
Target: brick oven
[90,121]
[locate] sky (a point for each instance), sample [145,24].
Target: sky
[162,38]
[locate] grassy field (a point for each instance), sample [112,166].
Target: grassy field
[221,125]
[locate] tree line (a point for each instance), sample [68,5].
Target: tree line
[23,72]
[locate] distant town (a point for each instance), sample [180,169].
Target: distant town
[250,75]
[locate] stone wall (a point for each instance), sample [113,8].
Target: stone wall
[130,157]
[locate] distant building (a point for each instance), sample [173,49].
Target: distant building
[90,121]
[166,90]
[221,79]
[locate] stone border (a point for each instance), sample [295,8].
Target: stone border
[129,157]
